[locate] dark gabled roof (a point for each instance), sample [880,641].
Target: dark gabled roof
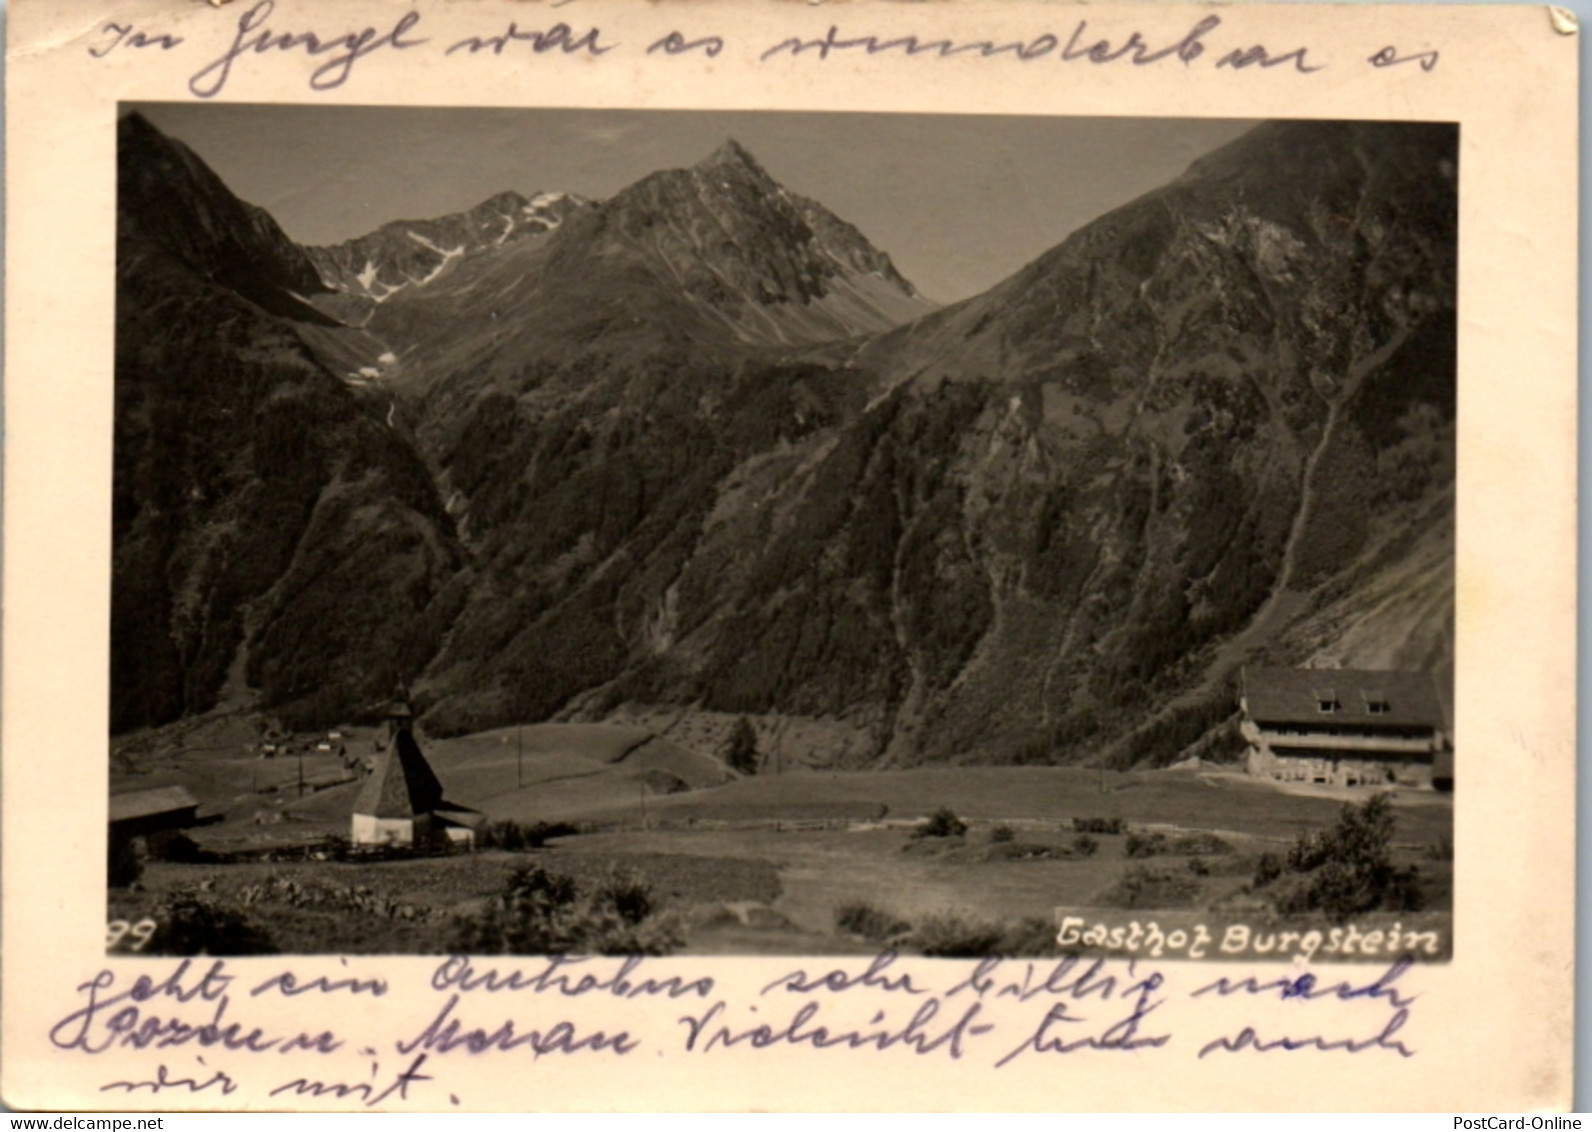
[403,784]
[1295,695]
[148,803]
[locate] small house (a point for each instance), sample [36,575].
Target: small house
[1344,727]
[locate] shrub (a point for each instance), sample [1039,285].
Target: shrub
[1030,937]
[943,822]
[1198,867]
[190,924]
[516,837]
[1442,849]
[858,917]
[1160,845]
[1145,844]
[740,749]
[951,936]
[1002,833]
[1085,846]
[543,913]
[1112,826]
[1268,867]
[1348,870]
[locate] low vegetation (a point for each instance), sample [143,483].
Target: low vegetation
[544,913]
[943,822]
[860,918]
[1343,871]
[191,923]
[518,836]
[1110,826]
[1146,886]
[1139,845]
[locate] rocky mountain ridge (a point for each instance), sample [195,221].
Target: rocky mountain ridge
[1044,524]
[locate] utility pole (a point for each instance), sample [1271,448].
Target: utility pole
[301,771]
[519,757]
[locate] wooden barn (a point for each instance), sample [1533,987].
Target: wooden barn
[139,813]
[1345,727]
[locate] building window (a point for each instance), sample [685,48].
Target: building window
[1327,701]
[1376,703]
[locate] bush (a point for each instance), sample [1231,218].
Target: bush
[190,924]
[1084,846]
[1002,833]
[1145,844]
[943,822]
[858,917]
[1198,867]
[1111,826]
[516,837]
[951,936]
[1347,870]
[740,749]
[543,913]
[1268,867]
[1442,849]
[1160,845]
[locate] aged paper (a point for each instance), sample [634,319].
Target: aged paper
[1129,538]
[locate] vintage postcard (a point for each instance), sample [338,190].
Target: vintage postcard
[879,556]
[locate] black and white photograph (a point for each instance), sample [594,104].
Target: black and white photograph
[648,532]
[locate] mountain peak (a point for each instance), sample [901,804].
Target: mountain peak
[731,155]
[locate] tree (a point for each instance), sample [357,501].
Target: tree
[740,749]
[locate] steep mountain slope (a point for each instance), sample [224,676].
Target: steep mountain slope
[700,446]
[266,522]
[1045,523]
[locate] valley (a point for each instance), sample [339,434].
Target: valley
[680,526]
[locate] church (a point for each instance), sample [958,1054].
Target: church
[398,803]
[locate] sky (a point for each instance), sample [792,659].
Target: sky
[959,202]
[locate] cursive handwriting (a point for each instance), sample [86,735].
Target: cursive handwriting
[1247,1038]
[457,973]
[798,981]
[1305,986]
[706,1031]
[1120,1035]
[993,1010]
[445,1033]
[162,1080]
[1135,48]
[558,37]
[287,984]
[349,48]
[337,53]
[364,1090]
[126,35]
[122,1021]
